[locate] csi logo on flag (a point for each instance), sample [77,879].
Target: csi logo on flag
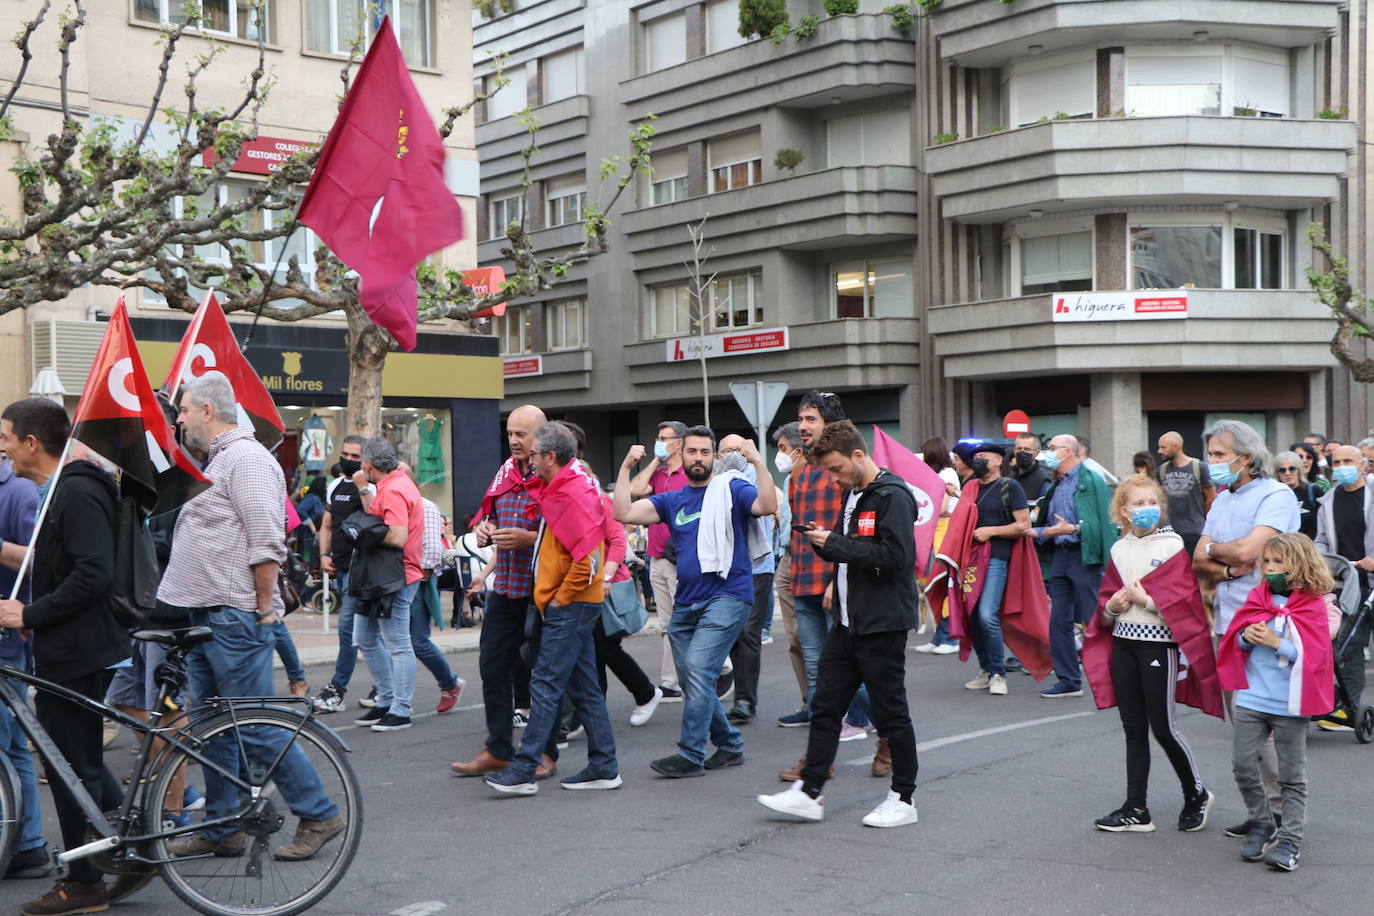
[868,524]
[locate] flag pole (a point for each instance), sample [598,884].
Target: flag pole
[181,370]
[42,513]
[271,278]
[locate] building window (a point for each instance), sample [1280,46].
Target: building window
[1056,88]
[512,330]
[873,289]
[722,26]
[561,75]
[1057,263]
[1213,80]
[564,199]
[1258,259]
[670,176]
[510,98]
[735,161]
[1170,257]
[503,212]
[665,42]
[736,302]
[881,138]
[223,17]
[566,324]
[671,314]
[331,26]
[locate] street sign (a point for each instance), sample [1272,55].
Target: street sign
[1015,423]
[759,401]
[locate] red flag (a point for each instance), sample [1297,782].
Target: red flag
[209,344]
[929,491]
[378,197]
[573,510]
[120,419]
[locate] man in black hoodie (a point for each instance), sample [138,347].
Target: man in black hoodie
[75,635]
[874,549]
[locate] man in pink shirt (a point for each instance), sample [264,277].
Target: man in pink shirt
[382,626]
[663,474]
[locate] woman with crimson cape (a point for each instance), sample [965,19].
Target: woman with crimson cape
[1149,645]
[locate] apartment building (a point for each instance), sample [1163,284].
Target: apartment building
[1092,211]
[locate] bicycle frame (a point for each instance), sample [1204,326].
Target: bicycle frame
[174,736]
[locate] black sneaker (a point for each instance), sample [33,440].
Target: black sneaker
[31,863]
[677,767]
[1239,831]
[671,695]
[1258,842]
[370,700]
[331,699]
[372,715]
[1126,820]
[1193,817]
[741,712]
[1283,856]
[723,758]
[390,723]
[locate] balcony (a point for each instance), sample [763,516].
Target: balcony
[1225,329]
[850,57]
[564,370]
[839,354]
[1276,163]
[545,241]
[562,143]
[984,33]
[812,211]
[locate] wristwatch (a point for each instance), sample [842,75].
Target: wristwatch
[1207,550]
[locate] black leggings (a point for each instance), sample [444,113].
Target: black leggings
[1144,675]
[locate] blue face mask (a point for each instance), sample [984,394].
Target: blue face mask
[1145,517]
[1222,475]
[1050,460]
[1345,476]
[661,451]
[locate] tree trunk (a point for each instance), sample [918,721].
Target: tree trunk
[368,346]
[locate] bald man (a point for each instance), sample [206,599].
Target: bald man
[1345,527]
[509,521]
[1188,488]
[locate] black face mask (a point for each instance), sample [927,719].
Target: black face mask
[980,467]
[350,466]
[1024,460]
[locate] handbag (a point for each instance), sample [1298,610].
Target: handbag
[621,612]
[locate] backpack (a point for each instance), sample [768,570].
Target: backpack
[1197,472]
[133,592]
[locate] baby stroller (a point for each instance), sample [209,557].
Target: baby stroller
[1353,614]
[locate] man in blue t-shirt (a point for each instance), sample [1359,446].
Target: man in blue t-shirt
[709,522]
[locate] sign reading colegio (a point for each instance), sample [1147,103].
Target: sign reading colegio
[261,155]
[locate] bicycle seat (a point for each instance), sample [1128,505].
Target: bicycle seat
[179,638]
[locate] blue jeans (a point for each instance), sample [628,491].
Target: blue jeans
[1073,597]
[987,624]
[701,635]
[426,652]
[348,653]
[942,637]
[385,643]
[567,665]
[237,662]
[814,623]
[14,744]
[286,651]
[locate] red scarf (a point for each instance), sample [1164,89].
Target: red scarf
[508,477]
[1174,590]
[1025,605]
[1311,689]
[574,510]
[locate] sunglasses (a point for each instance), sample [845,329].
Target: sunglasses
[1287,470]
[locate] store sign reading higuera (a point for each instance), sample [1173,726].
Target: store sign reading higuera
[739,344]
[1120,306]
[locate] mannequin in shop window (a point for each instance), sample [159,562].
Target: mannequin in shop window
[429,463]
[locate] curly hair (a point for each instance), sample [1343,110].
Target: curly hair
[1307,571]
[1128,486]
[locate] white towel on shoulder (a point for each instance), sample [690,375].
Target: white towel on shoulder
[716,530]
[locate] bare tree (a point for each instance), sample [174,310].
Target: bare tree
[699,298]
[1348,306]
[102,208]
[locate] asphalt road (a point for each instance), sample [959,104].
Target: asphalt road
[1008,791]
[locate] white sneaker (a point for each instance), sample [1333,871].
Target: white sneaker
[980,682]
[852,732]
[728,667]
[924,648]
[893,812]
[948,648]
[997,685]
[795,802]
[642,714]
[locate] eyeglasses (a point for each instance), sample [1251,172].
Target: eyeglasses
[1288,470]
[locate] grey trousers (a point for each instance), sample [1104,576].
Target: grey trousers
[1252,730]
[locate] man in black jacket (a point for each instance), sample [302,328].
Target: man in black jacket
[874,550]
[75,635]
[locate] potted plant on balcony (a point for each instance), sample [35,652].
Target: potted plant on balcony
[788,158]
[761,18]
[841,7]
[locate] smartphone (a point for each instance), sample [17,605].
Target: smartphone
[802,528]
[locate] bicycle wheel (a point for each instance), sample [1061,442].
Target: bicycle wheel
[255,882]
[11,810]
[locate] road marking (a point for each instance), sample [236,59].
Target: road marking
[422,908]
[981,733]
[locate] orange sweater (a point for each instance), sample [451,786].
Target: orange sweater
[560,580]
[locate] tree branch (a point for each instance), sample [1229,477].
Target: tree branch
[21,41]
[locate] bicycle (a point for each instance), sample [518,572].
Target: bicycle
[233,740]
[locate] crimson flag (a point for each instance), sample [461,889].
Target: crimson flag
[209,344]
[378,197]
[929,491]
[120,419]
[573,510]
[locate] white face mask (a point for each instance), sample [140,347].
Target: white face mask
[783,462]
